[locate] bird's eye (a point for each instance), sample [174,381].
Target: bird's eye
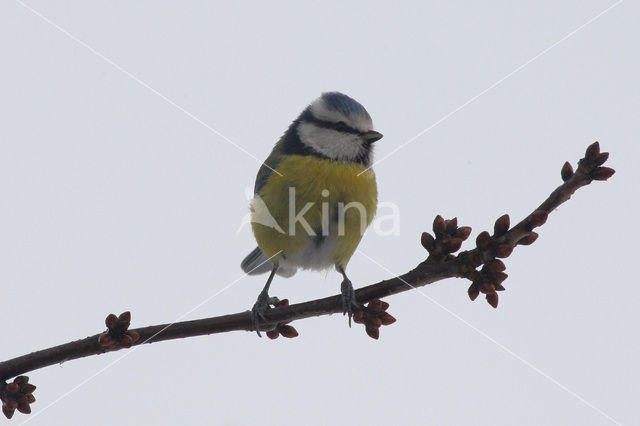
[342,127]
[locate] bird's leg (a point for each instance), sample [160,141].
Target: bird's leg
[348,295]
[262,304]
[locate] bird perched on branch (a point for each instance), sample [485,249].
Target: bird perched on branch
[314,196]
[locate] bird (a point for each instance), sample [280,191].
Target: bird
[314,197]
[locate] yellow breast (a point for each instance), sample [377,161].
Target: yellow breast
[314,215]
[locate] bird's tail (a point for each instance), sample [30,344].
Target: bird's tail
[257,263]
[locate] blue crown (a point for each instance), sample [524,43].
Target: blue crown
[342,103]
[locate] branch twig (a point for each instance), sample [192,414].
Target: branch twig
[440,264]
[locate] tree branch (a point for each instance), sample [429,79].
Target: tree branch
[440,264]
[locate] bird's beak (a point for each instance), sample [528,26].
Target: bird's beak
[372,136]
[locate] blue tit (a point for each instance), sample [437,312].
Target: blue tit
[314,196]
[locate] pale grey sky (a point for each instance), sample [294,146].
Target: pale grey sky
[114,199]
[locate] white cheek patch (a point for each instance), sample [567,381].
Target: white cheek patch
[331,143]
[320,111]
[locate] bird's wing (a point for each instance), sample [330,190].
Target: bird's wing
[267,168]
[257,263]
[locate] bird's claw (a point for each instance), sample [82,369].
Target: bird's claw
[262,305]
[348,298]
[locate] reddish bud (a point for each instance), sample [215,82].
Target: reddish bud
[500,287]
[125,317]
[500,277]
[288,331]
[375,306]
[602,173]
[12,388]
[427,241]
[21,380]
[473,292]
[487,287]
[529,239]
[273,334]
[501,226]
[601,159]
[105,340]
[111,321]
[483,240]
[592,151]
[375,322]
[439,225]
[463,232]
[27,388]
[538,218]
[495,265]
[566,172]
[358,317]
[24,408]
[135,336]
[453,245]
[8,412]
[503,250]
[387,319]
[373,332]
[492,298]
[126,341]
[451,225]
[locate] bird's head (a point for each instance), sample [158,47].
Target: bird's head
[337,127]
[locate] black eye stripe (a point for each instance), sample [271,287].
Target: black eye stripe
[340,126]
